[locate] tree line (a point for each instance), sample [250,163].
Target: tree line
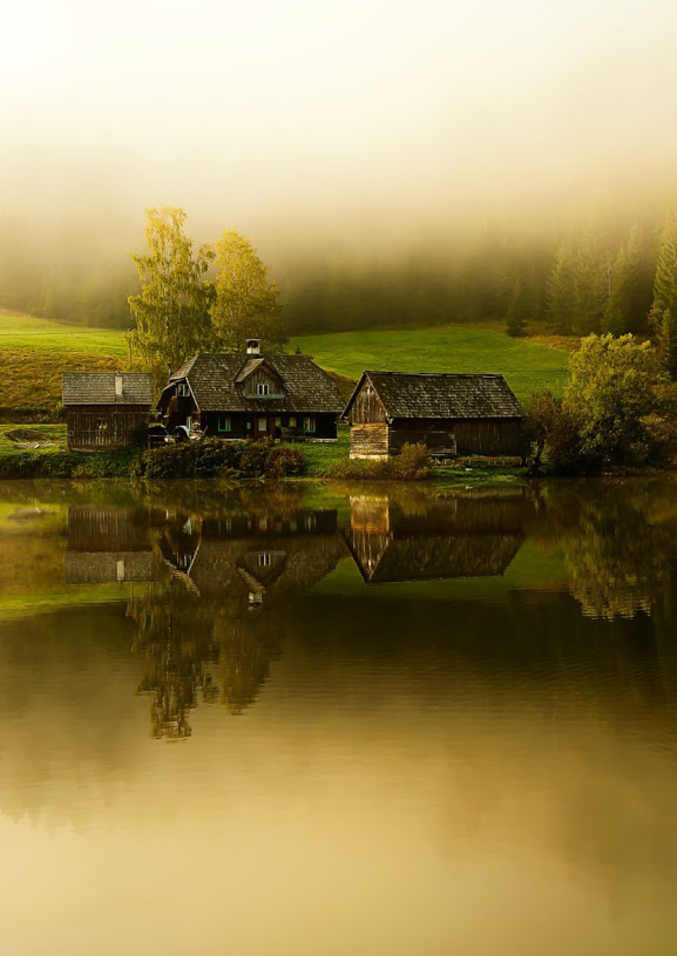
[593,279]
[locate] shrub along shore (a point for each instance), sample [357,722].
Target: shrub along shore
[36,452]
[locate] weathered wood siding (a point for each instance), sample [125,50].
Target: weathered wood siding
[94,528]
[369,440]
[501,436]
[104,426]
[261,376]
[367,406]
[179,409]
[439,436]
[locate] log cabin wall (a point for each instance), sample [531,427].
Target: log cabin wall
[370,440]
[105,426]
[490,437]
[439,436]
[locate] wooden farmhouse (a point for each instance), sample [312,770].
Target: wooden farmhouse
[454,415]
[106,409]
[250,395]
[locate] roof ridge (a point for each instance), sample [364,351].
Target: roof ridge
[437,374]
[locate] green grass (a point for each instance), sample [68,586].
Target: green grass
[53,436]
[26,332]
[527,366]
[35,352]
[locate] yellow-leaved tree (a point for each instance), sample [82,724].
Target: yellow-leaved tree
[246,303]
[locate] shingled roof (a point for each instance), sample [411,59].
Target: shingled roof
[444,396]
[98,388]
[217,383]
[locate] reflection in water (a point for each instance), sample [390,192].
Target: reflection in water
[468,536]
[211,629]
[468,743]
[620,543]
[108,544]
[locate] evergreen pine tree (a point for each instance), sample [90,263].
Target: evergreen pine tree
[560,292]
[669,343]
[630,290]
[591,283]
[516,320]
[665,282]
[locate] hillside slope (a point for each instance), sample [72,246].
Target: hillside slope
[527,366]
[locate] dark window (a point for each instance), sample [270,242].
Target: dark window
[183,390]
[224,423]
[263,388]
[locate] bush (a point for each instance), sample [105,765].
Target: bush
[210,458]
[617,410]
[283,461]
[214,458]
[255,456]
[412,464]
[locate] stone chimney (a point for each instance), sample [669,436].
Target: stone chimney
[253,346]
[118,385]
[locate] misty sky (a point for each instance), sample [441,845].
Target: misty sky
[292,121]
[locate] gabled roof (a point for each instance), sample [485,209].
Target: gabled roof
[437,395]
[424,557]
[98,388]
[217,383]
[249,366]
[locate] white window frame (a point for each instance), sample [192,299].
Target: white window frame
[183,390]
[309,424]
[262,424]
[263,389]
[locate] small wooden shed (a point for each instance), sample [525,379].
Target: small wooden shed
[106,409]
[454,415]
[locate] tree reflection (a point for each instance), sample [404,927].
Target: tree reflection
[619,541]
[175,644]
[212,628]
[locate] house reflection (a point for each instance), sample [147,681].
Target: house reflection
[213,629]
[247,561]
[108,544]
[465,536]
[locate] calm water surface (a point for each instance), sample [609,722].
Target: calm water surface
[370,721]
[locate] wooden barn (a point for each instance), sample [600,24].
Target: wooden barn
[106,409]
[454,415]
[251,395]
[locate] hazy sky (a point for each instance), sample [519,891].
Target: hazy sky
[289,120]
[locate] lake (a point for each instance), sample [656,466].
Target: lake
[364,720]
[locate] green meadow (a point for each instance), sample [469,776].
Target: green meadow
[527,366]
[43,335]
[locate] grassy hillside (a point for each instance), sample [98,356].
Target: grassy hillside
[527,366]
[36,351]
[43,335]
